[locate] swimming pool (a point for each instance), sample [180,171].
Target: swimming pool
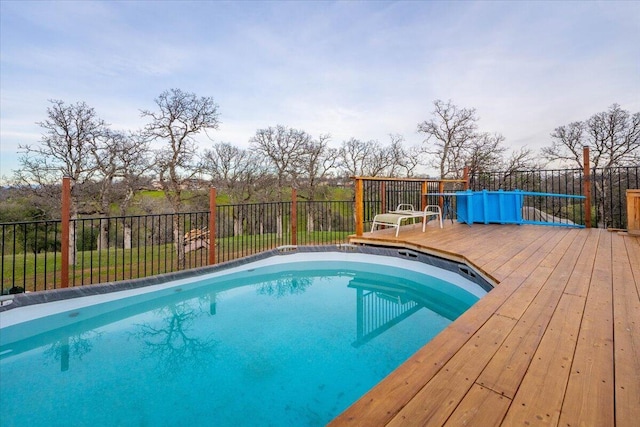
[266,343]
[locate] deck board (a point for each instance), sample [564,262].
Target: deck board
[589,395]
[626,314]
[557,342]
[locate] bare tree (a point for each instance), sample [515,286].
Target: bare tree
[483,153]
[365,158]
[521,159]
[70,132]
[133,160]
[105,153]
[179,118]
[403,162]
[283,148]
[567,142]
[315,165]
[448,134]
[237,172]
[613,137]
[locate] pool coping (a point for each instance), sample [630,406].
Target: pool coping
[40,297]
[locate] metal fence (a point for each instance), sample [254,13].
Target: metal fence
[126,247]
[384,194]
[556,181]
[607,191]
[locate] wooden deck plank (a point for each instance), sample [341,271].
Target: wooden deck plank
[626,330]
[531,256]
[550,367]
[515,248]
[384,401]
[480,407]
[569,297]
[633,250]
[539,398]
[435,402]
[589,398]
[555,249]
[506,369]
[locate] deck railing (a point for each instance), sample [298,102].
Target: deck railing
[35,255]
[606,189]
[127,247]
[374,195]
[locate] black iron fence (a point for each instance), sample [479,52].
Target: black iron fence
[126,247]
[607,191]
[385,194]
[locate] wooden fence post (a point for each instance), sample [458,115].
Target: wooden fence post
[383,197]
[586,191]
[294,216]
[65,222]
[212,226]
[423,195]
[359,208]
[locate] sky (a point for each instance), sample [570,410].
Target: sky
[350,69]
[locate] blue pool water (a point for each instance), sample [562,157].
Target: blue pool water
[281,345]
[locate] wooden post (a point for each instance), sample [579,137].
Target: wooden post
[423,193]
[294,217]
[465,176]
[383,197]
[212,226]
[359,207]
[586,190]
[65,219]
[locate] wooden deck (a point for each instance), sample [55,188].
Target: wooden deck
[557,342]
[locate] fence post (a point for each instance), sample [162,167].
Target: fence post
[212,226]
[423,192]
[465,176]
[64,237]
[294,216]
[383,197]
[586,191]
[441,190]
[359,208]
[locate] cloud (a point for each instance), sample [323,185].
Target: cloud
[350,69]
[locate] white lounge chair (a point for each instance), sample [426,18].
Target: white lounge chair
[404,212]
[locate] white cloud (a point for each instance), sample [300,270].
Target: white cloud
[361,70]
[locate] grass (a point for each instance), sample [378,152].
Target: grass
[36,272]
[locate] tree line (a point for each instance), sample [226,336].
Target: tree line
[108,166]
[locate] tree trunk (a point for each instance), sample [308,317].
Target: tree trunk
[237,222]
[601,197]
[72,240]
[310,221]
[178,239]
[279,222]
[127,235]
[103,235]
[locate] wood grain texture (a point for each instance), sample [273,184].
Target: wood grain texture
[556,342]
